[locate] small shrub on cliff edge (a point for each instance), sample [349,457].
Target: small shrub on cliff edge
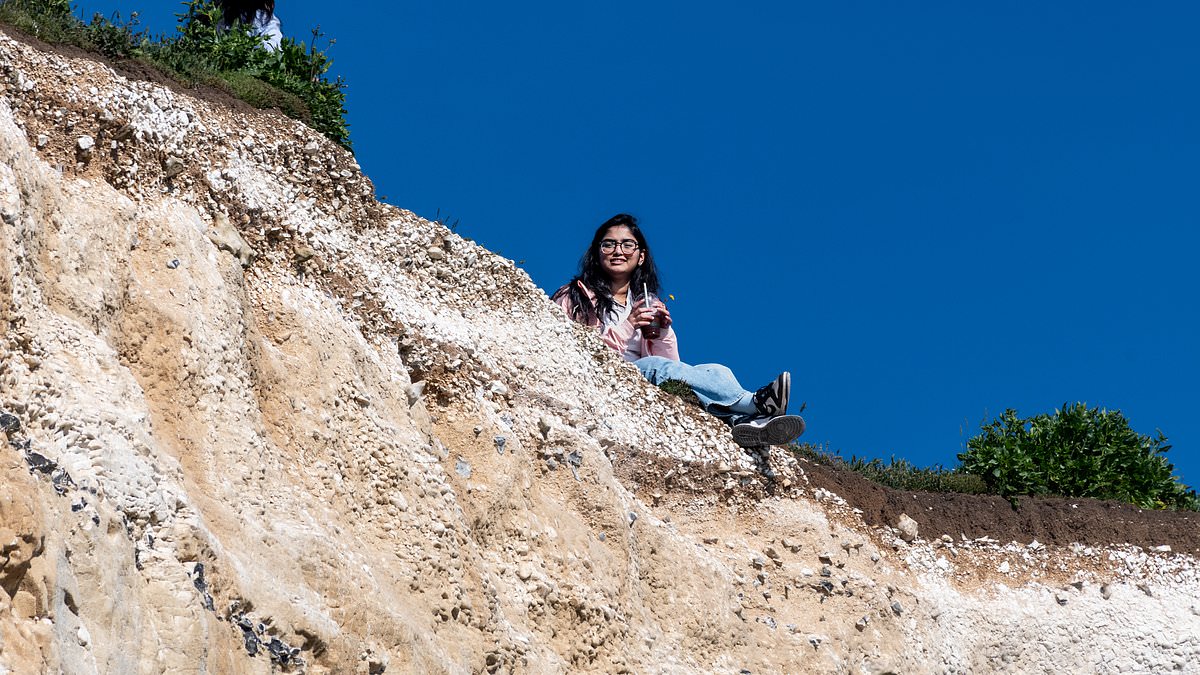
[1077,452]
[682,390]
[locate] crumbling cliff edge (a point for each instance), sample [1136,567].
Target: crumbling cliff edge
[256,421]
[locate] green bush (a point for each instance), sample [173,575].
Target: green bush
[301,71]
[292,78]
[1076,452]
[202,50]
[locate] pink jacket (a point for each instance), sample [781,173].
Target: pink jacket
[618,336]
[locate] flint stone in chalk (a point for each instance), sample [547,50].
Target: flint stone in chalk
[225,237]
[173,166]
[907,527]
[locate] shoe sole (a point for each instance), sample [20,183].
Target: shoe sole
[777,431]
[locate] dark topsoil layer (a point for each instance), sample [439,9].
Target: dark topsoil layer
[1049,520]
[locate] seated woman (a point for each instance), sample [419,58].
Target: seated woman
[613,273]
[259,15]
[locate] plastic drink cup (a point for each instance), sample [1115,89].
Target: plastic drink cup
[652,330]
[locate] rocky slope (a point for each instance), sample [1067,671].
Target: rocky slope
[257,421]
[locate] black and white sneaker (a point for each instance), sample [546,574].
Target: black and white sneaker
[772,400]
[759,431]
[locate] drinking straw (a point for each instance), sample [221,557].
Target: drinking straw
[645,294]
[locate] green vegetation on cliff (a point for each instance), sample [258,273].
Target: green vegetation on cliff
[292,78]
[1076,452]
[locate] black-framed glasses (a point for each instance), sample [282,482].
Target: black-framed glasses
[610,245]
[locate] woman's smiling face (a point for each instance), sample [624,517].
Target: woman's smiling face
[619,263]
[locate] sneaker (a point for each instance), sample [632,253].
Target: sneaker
[772,400]
[760,431]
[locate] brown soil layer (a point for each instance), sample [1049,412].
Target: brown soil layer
[1050,520]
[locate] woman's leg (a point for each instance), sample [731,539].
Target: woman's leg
[714,384]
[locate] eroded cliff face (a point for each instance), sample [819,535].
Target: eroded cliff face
[256,421]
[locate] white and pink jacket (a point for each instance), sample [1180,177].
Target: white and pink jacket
[618,333]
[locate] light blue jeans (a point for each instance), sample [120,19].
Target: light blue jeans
[714,384]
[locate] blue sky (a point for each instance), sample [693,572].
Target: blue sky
[928,212]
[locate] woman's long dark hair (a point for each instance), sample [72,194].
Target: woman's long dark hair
[592,274]
[244,10]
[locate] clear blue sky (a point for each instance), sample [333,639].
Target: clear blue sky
[928,212]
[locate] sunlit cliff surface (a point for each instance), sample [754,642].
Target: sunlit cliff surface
[256,421]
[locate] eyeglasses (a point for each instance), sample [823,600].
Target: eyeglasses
[627,245]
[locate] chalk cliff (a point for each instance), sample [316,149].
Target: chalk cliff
[256,421]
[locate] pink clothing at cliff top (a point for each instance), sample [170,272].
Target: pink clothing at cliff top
[618,333]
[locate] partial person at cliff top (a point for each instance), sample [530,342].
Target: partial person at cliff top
[616,292]
[259,15]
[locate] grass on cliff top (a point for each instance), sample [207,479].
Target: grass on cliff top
[291,79]
[899,474]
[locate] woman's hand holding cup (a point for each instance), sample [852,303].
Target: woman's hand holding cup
[649,312]
[664,315]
